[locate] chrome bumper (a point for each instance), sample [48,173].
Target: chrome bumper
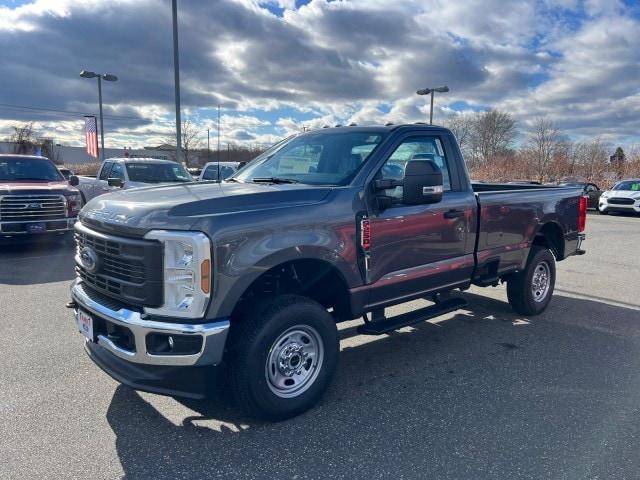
[214,335]
[66,225]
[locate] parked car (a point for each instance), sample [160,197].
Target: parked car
[210,170]
[591,190]
[66,173]
[332,225]
[126,173]
[623,197]
[35,198]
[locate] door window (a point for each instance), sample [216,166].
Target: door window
[117,171]
[414,148]
[106,168]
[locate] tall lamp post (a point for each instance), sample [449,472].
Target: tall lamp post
[107,77]
[427,91]
[176,79]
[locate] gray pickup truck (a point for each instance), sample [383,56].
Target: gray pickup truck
[251,275]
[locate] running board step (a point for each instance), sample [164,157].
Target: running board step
[411,318]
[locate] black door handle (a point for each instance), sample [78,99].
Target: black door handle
[453,213]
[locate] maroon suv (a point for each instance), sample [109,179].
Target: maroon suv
[35,198]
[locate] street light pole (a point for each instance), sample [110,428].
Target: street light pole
[101,120]
[108,78]
[176,79]
[431,91]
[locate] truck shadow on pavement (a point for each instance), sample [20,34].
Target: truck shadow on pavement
[36,263]
[483,394]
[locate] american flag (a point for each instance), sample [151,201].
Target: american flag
[91,135]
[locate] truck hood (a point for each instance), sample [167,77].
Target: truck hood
[8,187]
[178,206]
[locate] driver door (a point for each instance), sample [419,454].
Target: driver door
[419,248]
[101,186]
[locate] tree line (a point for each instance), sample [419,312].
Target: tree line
[488,141]
[544,154]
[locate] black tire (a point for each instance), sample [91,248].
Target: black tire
[252,350]
[602,212]
[522,295]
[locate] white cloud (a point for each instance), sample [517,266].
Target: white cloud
[349,61]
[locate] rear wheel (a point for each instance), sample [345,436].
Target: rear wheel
[530,291]
[283,353]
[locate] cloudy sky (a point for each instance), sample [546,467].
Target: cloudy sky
[276,66]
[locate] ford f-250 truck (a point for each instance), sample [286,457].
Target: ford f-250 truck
[35,199]
[126,173]
[252,274]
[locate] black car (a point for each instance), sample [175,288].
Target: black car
[591,190]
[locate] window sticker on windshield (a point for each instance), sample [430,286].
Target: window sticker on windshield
[439,147]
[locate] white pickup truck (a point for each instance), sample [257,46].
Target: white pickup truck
[119,173]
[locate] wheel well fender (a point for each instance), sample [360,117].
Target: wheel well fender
[550,235]
[320,277]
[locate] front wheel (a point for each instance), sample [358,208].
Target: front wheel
[602,212]
[530,291]
[282,356]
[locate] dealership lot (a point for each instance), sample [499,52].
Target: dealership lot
[481,393]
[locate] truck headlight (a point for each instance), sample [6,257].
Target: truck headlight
[187,273]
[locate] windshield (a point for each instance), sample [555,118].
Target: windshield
[157,172]
[318,158]
[29,169]
[633,185]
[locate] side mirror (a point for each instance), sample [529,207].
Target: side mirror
[422,183]
[74,181]
[115,182]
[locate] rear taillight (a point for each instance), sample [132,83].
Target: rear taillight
[582,214]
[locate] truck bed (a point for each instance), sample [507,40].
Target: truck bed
[509,219]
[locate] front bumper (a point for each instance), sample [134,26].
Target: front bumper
[213,335]
[25,227]
[604,206]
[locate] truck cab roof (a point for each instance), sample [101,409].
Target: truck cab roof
[138,160]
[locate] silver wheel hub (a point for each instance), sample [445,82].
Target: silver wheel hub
[541,281]
[294,361]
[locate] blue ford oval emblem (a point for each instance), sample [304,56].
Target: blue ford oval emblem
[89,259]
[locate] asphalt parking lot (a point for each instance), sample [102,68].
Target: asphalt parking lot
[482,393]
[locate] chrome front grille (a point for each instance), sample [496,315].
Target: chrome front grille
[129,270]
[35,208]
[620,201]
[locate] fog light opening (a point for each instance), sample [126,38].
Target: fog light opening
[164,344]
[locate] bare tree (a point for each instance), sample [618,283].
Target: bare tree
[462,127]
[493,134]
[544,146]
[22,138]
[592,159]
[190,142]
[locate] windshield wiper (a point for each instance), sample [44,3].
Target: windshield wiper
[274,180]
